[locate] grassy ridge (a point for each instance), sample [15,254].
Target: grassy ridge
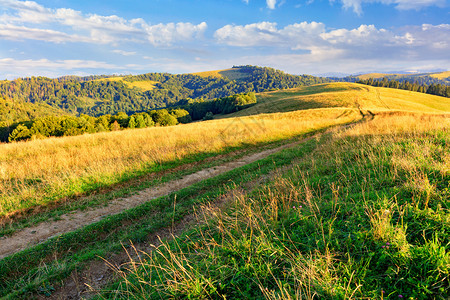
[232,74]
[367,215]
[349,95]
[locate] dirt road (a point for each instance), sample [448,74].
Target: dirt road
[69,222]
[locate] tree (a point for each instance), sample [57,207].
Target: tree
[20,133]
[132,123]
[163,118]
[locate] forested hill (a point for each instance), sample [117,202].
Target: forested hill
[100,95]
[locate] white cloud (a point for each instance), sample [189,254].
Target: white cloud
[271,4]
[356,5]
[124,53]
[12,32]
[89,28]
[51,68]
[363,42]
[248,35]
[164,34]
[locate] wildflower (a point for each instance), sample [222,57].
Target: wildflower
[400,296]
[293,206]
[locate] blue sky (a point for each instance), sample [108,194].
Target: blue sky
[60,37]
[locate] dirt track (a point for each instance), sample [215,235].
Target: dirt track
[69,222]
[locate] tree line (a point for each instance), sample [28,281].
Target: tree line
[66,125]
[433,89]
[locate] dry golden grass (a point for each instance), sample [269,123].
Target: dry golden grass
[39,171]
[350,95]
[232,74]
[373,75]
[215,74]
[145,85]
[441,75]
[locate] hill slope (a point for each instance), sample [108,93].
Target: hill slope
[346,95]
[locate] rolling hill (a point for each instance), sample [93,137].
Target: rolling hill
[330,191]
[346,95]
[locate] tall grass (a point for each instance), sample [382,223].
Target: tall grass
[40,171]
[365,216]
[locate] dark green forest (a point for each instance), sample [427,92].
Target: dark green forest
[67,125]
[433,89]
[93,96]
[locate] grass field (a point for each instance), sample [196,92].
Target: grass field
[359,211]
[145,85]
[442,75]
[38,172]
[349,95]
[232,74]
[366,216]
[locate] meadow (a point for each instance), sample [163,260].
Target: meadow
[365,216]
[358,210]
[42,171]
[349,95]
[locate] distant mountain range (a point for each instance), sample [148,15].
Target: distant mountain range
[419,78]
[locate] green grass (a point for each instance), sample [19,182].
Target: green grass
[366,215]
[39,268]
[193,164]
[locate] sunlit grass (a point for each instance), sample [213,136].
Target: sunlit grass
[41,171]
[364,216]
[232,74]
[350,95]
[145,85]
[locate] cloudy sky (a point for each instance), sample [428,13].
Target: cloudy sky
[59,37]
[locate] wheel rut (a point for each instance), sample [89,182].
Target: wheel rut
[71,221]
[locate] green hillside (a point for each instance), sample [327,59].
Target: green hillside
[100,95]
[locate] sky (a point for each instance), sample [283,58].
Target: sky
[318,37]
